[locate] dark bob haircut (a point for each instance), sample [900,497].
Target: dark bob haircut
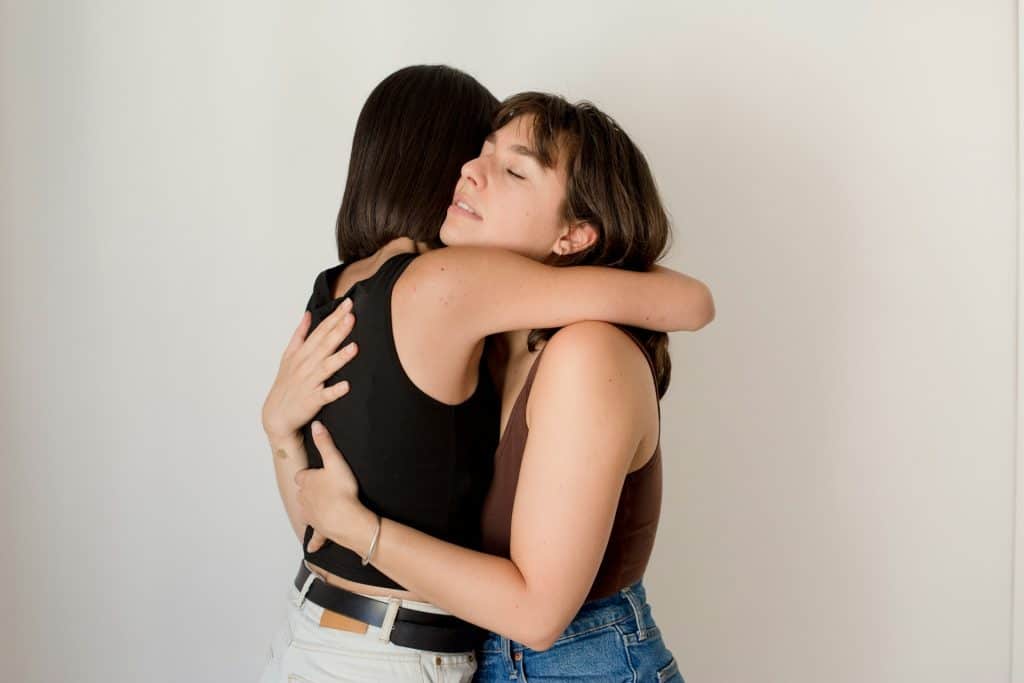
[416,130]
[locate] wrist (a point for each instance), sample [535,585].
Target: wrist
[360,527]
[288,441]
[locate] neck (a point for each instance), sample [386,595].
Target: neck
[516,342]
[399,245]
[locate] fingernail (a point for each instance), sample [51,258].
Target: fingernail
[318,428]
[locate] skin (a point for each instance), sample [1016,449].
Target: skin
[441,316]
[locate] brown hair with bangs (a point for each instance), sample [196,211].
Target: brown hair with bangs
[610,186]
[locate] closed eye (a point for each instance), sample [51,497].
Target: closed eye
[513,173]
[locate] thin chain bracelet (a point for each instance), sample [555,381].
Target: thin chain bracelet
[373,544]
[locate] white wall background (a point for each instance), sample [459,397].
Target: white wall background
[839,443]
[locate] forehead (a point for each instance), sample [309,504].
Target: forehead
[517,135]
[518,129]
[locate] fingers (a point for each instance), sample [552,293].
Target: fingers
[315,356]
[334,392]
[300,333]
[317,371]
[329,453]
[316,541]
[329,323]
[340,331]
[337,361]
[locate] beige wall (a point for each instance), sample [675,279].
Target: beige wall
[1017,665]
[839,444]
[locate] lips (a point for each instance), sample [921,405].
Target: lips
[462,206]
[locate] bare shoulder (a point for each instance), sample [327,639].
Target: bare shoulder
[446,274]
[597,346]
[595,361]
[449,258]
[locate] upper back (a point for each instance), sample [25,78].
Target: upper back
[418,460]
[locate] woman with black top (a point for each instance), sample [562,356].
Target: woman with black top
[421,417]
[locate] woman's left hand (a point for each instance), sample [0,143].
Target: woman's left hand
[300,388]
[329,497]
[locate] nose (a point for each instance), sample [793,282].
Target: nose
[473,172]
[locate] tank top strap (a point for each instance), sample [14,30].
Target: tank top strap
[382,280]
[533,369]
[517,418]
[650,364]
[388,273]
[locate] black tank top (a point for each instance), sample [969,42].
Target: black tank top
[418,461]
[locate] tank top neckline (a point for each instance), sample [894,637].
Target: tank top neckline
[324,286]
[331,275]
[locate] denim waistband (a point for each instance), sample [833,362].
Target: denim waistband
[627,605]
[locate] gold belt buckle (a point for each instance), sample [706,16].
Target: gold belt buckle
[342,623]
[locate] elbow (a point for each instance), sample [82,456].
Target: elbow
[701,315]
[542,633]
[709,310]
[540,644]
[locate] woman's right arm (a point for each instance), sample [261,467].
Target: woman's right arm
[478,291]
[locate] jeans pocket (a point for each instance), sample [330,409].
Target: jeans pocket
[453,668]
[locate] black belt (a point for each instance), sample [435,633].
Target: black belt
[412,628]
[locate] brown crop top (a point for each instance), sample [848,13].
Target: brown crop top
[636,517]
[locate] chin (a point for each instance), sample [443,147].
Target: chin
[452,236]
[447,235]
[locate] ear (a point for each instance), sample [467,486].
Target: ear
[575,238]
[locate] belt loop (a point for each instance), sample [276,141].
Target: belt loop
[506,651]
[389,618]
[641,631]
[305,589]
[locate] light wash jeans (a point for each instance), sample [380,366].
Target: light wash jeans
[303,651]
[610,639]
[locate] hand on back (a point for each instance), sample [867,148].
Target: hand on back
[307,363]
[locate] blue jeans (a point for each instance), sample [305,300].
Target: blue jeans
[610,639]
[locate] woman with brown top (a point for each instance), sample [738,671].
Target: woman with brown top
[572,512]
[420,448]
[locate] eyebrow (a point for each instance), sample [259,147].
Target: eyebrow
[519,149]
[526,151]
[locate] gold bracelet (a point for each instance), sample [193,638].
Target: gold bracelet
[373,543]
